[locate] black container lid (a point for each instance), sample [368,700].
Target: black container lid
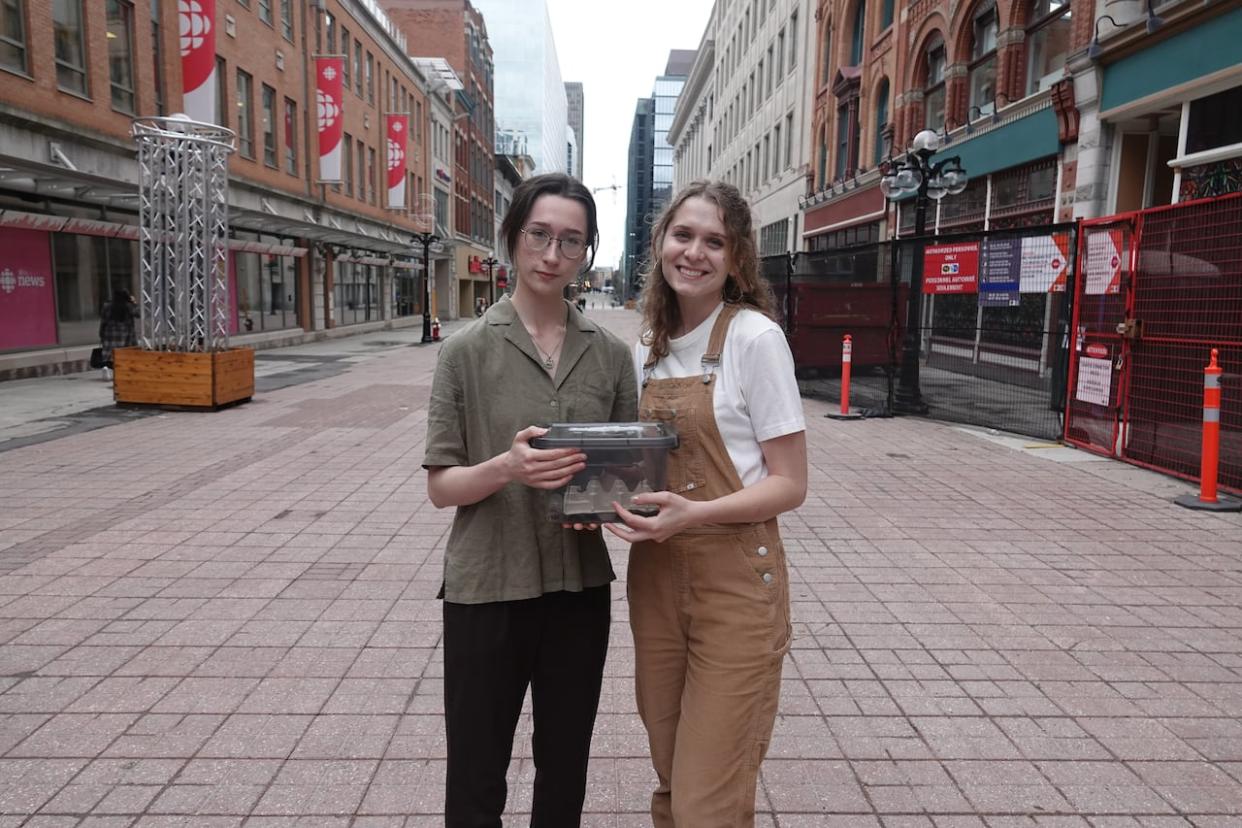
[607,436]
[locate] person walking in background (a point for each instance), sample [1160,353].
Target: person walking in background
[116,328]
[708,587]
[527,602]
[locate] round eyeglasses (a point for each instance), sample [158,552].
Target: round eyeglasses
[538,240]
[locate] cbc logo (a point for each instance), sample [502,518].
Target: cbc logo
[10,281]
[195,26]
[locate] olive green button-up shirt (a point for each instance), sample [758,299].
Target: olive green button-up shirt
[489,385]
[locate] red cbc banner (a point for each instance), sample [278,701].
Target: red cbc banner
[951,268]
[27,306]
[329,112]
[197,20]
[398,137]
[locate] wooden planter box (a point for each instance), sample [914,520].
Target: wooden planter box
[183,380]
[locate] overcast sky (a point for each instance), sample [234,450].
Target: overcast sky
[616,50]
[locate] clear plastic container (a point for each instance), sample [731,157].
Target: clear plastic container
[623,460]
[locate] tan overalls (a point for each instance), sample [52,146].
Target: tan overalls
[709,609]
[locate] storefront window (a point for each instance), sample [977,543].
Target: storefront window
[266,291]
[1215,121]
[406,292]
[357,293]
[88,269]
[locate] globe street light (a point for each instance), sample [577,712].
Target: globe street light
[916,176]
[426,239]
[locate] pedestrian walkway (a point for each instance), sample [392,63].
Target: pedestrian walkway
[229,619]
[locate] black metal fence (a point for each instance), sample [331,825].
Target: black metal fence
[993,333]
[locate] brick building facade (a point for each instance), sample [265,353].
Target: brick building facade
[304,255]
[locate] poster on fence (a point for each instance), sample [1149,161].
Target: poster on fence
[1045,263]
[1095,380]
[1102,268]
[999,272]
[951,268]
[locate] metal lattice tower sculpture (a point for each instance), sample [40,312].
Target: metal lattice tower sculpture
[183,219]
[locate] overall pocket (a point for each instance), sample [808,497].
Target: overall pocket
[686,475]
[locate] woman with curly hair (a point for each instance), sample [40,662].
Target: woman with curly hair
[708,587]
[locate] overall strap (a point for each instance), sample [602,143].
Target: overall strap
[715,342]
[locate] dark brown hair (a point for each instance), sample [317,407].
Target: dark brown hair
[527,193]
[744,286]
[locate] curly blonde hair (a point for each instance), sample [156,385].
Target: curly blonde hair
[744,286]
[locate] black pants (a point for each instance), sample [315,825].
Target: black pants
[556,644]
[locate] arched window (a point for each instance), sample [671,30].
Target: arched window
[881,122]
[886,14]
[858,38]
[983,58]
[933,87]
[1048,39]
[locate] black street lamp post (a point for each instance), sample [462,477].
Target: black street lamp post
[917,176]
[426,239]
[490,263]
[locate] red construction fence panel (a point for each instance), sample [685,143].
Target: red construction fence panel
[1176,295]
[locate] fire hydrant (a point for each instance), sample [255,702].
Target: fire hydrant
[435,329]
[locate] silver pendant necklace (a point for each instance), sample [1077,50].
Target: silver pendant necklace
[548,359]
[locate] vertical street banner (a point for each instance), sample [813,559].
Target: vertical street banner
[398,140]
[951,268]
[27,305]
[329,112]
[999,273]
[197,22]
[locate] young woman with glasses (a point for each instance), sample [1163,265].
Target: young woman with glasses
[707,583]
[526,601]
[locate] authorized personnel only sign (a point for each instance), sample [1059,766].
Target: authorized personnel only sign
[951,268]
[1095,380]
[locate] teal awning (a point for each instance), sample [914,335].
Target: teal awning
[1029,138]
[1184,57]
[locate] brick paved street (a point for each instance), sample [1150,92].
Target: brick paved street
[229,619]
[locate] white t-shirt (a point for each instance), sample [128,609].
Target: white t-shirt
[755,396]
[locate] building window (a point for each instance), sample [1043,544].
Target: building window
[345,82]
[120,16]
[886,14]
[358,67]
[881,123]
[983,60]
[789,139]
[286,19]
[1048,43]
[822,166]
[329,26]
[269,125]
[222,92]
[370,78]
[933,87]
[362,171]
[245,120]
[1215,121]
[372,173]
[347,163]
[793,40]
[70,39]
[857,39]
[157,60]
[13,35]
[780,57]
[265,11]
[291,136]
